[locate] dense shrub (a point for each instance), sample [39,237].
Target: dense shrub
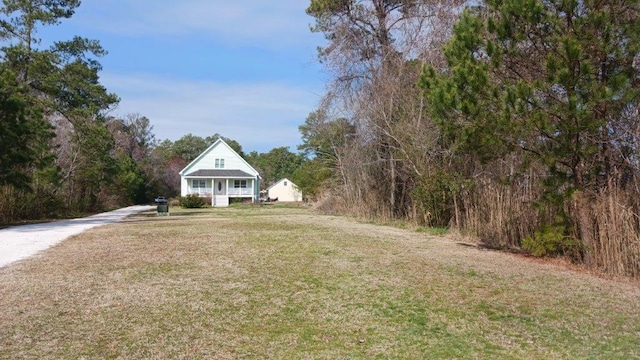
[192,202]
[551,240]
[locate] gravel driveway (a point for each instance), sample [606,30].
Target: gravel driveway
[20,242]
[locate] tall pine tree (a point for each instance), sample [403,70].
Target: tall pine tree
[555,81]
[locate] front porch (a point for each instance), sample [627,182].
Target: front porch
[232,192]
[222,189]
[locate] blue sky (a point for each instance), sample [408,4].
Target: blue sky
[244,69]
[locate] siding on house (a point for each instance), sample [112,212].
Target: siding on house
[219,150]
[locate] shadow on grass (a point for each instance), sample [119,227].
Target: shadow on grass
[501,249]
[173,214]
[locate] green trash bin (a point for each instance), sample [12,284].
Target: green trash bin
[163,209]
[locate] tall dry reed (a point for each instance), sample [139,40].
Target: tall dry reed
[500,215]
[615,232]
[606,225]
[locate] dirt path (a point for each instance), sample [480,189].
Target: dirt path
[20,242]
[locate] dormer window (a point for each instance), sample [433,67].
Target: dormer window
[219,164]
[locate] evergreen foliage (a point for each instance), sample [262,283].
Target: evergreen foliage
[552,81]
[275,164]
[20,127]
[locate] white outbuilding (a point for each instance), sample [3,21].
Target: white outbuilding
[284,190]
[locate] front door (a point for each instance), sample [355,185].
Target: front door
[220,197]
[219,187]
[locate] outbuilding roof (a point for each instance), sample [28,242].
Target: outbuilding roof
[281,180]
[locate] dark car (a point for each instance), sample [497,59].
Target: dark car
[160,200]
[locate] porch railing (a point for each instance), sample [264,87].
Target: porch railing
[240,191]
[200,191]
[230,191]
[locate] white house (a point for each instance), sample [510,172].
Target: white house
[220,173]
[284,190]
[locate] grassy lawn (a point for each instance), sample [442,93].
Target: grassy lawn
[286,283]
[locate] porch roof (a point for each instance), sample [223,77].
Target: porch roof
[220,173]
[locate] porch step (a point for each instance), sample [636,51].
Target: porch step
[220,200]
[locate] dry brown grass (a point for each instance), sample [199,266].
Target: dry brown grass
[501,215]
[289,283]
[616,233]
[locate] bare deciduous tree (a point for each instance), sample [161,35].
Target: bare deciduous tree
[375,52]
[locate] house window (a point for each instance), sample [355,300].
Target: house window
[285,183]
[198,183]
[240,184]
[219,164]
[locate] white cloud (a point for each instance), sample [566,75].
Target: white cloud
[259,116]
[275,23]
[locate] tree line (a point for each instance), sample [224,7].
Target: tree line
[515,121]
[61,152]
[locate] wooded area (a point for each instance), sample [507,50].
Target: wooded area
[516,122]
